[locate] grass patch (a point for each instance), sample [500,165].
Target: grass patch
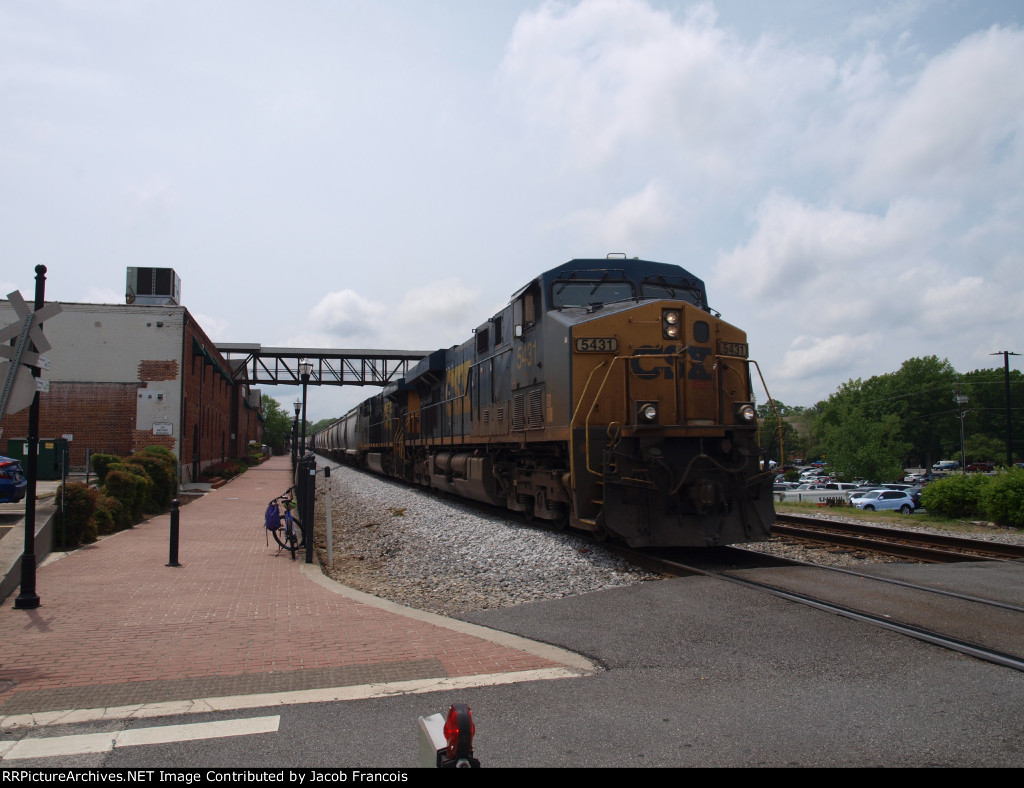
[918,518]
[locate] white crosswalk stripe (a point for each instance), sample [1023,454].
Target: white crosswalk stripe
[55,746]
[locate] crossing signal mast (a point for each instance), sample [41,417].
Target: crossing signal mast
[21,386]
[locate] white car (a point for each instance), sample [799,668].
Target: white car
[872,500]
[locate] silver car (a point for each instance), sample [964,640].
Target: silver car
[882,500]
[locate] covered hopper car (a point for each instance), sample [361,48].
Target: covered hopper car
[607,396]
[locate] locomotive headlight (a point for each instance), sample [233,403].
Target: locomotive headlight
[647,413]
[746,414]
[670,321]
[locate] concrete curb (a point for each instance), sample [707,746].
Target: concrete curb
[12,547]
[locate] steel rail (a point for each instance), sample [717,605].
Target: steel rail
[846,533]
[918,633]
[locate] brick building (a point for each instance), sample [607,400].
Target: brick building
[127,376]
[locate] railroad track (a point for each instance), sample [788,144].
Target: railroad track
[984,628]
[916,545]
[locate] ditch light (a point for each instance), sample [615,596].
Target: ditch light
[447,742]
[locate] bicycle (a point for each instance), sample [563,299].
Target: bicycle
[286,528]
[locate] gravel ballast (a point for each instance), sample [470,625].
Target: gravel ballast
[446,556]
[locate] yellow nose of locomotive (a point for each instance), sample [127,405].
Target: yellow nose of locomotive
[663,427]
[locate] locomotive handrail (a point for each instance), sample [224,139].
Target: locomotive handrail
[572,425]
[764,385]
[590,412]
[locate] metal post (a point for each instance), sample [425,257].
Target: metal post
[305,381]
[173,558]
[961,400]
[1006,386]
[307,520]
[295,437]
[327,508]
[28,599]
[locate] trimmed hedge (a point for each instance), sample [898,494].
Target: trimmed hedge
[955,496]
[998,498]
[101,464]
[79,505]
[1003,498]
[146,482]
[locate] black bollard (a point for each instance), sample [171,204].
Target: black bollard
[173,560]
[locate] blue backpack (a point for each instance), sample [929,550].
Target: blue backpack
[272,519]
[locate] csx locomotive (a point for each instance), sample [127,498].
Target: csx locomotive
[607,396]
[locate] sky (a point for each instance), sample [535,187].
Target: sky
[846,176]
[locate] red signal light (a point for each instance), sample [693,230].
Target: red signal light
[459,730]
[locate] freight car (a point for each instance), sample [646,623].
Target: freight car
[607,396]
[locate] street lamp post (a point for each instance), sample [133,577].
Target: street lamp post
[960,401]
[295,433]
[305,370]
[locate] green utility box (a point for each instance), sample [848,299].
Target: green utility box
[53,456]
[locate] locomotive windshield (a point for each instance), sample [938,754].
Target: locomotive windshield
[672,287]
[585,292]
[585,289]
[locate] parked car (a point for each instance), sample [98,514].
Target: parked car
[12,481]
[880,500]
[980,467]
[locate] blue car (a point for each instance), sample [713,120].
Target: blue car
[12,481]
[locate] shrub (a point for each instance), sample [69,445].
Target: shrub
[164,482]
[131,488]
[110,515]
[101,464]
[1002,499]
[79,504]
[956,496]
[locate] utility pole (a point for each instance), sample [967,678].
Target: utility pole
[1006,379]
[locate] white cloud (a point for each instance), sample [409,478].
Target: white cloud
[607,78]
[433,315]
[440,307]
[803,251]
[963,117]
[631,222]
[346,315]
[824,357]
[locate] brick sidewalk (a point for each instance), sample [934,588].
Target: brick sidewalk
[116,626]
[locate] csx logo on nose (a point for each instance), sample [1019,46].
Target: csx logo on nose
[662,367]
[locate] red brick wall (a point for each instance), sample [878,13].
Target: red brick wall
[158,370]
[98,416]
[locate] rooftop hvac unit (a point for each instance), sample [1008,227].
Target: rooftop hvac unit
[153,287]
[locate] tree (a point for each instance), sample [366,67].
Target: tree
[775,441]
[861,446]
[320,425]
[278,424]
